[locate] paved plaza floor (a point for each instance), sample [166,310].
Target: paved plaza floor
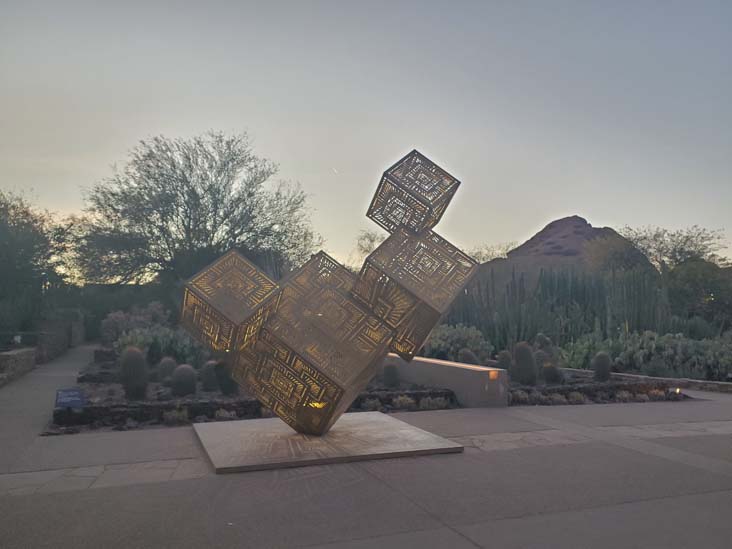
[617,475]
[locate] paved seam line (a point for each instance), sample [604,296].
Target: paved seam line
[642,446]
[415,503]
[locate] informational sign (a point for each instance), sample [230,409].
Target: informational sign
[70,398]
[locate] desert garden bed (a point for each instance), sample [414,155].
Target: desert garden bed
[578,387]
[107,408]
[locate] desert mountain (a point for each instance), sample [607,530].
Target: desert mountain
[570,243]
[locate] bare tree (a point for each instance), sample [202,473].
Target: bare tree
[177,204]
[488,252]
[666,249]
[366,242]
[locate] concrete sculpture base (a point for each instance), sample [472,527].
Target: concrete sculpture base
[256,444]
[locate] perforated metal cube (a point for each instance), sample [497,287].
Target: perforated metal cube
[318,351]
[409,281]
[225,304]
[413,194]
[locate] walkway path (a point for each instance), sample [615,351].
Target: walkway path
[633,475]
[26,403]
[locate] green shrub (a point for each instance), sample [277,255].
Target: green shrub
[623,396]
[391,376]
[176,417]
[524,367]
[543,343]
[403,402]
[656,395]
[227,385]
[209,380]
[133,373]
[505,361]
[575,397]
[549,372]
[433,403]
[519,397]
[655,368]
[446,341]
[154,352]
[602,364]
[643,352]
[117,323]
[552,375]
[175,343]
[371,404]
[557,400]
[224,415]
[466,356]
[183,380]
[166,367]
[541,358]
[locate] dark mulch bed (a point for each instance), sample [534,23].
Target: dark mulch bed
[107,407]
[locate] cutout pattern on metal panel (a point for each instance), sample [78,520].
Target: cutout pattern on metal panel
[307,347]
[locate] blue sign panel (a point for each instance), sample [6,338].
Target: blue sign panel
[70,398]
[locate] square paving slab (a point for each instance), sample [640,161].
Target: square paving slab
[255,444]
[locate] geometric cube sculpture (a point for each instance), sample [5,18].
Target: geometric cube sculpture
[413,194]
[409,281]
[308,346]
[225,304]
[318,351]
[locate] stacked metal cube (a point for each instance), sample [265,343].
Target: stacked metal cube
[306,347]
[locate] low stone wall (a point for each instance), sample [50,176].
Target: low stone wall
[681,382]
[15,363]
[474,386]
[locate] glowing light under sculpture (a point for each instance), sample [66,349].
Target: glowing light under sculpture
[306,347]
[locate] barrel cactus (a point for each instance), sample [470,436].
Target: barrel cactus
[133,373]
[209,381]
[601,364]
[183,380]
[524,367]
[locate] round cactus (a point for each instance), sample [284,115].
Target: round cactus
[166,367]
[504,360]
[133,373]
[601,364]
[524,370]
[183,380]
[467,356]
[209,381]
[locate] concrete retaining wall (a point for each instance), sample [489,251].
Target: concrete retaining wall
[474,386]
[682,382]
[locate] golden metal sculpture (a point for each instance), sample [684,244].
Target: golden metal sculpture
[308,346]
[225,305]
[313,356]
[410,280]
[413,194]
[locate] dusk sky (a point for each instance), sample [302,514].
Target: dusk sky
[620,112]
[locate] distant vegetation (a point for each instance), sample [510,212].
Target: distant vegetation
[174,206]
[657,301]
[653,299]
